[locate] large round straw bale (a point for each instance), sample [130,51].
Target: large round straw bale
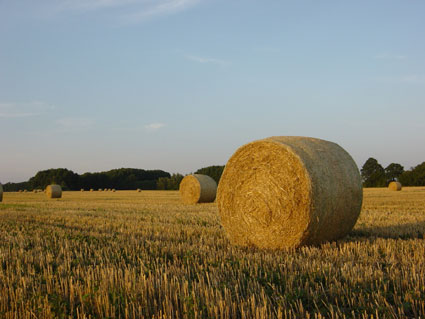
[285,192]
[197,188]
[394,186]
[1,192]
[54,191]
[139,190]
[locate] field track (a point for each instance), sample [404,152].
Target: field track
[146,255]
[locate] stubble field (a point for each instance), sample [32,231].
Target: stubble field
[146,255]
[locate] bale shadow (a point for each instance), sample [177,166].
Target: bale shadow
[400,231]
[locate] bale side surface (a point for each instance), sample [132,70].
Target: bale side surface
[285,192]
[197,188]
[54,191]
[394,186]
[1,192]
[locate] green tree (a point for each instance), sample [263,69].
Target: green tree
[414,177]
[393,171]
[169,183]
[62,176]
[212,171]
[373,174]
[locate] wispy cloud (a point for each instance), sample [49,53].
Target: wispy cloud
[154,126]
[159,8]
[408,79]
[21,110]
[75,123]
[205,60]
[128,11]
[388,56]
[267,50]
[88,5]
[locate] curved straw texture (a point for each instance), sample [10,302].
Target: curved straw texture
[394,186]
[1,192]
[197,188]
[54,191]
[285,192]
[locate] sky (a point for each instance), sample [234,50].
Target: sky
[93,85]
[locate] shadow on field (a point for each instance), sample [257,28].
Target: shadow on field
[401,231]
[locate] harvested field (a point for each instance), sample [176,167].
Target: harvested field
[147,255]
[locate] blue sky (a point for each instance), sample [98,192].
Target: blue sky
[92,85]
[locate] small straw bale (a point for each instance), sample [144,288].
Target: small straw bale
[82,190]
[394,186]
[1,192]
[54,191]
[91,190]
[100,190]
[197,188]
[25,191]
[113,190]
[20,191]
[139,190]
[285,192]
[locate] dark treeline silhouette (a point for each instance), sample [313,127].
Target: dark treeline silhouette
[173,182]
[123,178]
[375,175]
[212,171]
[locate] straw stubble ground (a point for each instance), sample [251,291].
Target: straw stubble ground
[145,255]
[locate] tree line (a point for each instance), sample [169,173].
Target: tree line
[375,175]
[123,178]
[120,179]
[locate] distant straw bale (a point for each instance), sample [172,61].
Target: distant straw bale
[286,192]
[91,190]
[54,191]
[82,190]
[197,188]
[394,186]
[139,190]
[113,190]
